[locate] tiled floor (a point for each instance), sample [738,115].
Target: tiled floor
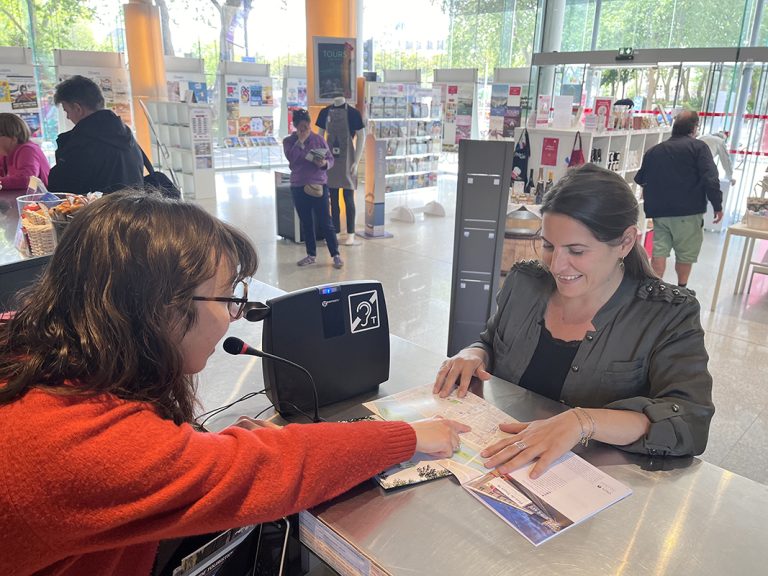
[415,268]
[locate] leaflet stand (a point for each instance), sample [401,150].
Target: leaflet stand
[107,69]
[246,117]
[294,96]
[459,96]
[405,117]
[509,102]
[185,80]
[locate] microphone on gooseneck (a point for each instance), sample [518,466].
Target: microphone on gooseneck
[236,346]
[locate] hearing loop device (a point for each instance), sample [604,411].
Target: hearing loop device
[338,332]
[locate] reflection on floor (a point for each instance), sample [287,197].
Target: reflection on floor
[415,268]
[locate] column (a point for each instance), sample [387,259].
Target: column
[146,64]
[552,37]
[334,18]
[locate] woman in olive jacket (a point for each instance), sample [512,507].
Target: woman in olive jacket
[592,327]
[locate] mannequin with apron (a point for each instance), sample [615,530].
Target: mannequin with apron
[342,127]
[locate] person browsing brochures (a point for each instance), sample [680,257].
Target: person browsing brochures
[101,458]
[592,327]
[309,159]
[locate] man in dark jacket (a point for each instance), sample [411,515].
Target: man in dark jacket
[99,153]
[678,176]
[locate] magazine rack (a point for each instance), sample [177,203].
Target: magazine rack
[183,140]
[406,120]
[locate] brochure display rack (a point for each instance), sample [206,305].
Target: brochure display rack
[108,69]
[509,102]
[246,117]
[185,80]
[406,120]
[18,88]
[458,89]
[185,139]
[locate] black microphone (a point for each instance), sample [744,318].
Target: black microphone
[236,346]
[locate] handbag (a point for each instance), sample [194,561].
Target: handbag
[520,158]
[577,154]
[314,190]
[158,181]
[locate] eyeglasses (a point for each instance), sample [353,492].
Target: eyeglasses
[236,302]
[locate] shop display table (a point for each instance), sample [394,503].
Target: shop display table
[750,235]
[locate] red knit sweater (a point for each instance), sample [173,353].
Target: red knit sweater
[91,486]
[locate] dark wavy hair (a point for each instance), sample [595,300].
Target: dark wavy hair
[107,314]
[603,202]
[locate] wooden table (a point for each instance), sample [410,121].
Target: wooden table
[751,234]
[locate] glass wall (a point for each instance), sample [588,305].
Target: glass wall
[426,34]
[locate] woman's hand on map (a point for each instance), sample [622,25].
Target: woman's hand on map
[438,436]
[460,369]
[545,440]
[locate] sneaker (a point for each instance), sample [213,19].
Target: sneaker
[306,261]
[350,241]
[337,261]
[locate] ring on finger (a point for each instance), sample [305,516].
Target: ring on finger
[520,445]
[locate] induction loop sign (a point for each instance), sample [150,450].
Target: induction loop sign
[364,311]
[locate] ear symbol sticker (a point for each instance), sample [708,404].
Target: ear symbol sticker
[364,311]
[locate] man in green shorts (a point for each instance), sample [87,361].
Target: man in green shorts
[678,176]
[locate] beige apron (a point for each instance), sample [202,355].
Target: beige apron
[340,142]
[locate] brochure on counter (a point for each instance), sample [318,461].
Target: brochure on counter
[568,493]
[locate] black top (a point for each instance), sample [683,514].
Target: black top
[678,176]
[549,365]
[354,118]
[99,153]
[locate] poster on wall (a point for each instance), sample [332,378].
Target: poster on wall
[295,98]
[114,86]
[18,95]
[249,106]
[334,68]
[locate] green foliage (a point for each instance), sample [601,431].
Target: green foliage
[656,24]
[62,24]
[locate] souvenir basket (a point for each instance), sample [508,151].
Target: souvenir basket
[38,232]
[42,220]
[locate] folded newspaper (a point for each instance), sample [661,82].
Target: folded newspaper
[568,493]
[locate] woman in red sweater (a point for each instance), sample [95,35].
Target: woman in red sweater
[19,158]
[99,459]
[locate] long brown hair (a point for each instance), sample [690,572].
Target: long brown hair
[106,315]
[603,202]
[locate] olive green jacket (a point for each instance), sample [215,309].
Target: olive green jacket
[646,354]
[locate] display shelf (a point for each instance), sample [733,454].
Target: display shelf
[618,150]
[410,139]
[183,140]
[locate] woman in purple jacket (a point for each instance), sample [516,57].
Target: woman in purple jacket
[19,158]
[309,167]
